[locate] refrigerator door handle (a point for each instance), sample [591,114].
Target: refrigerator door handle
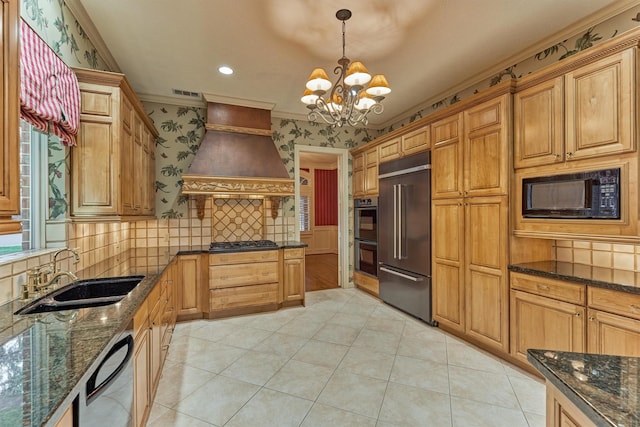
[400,214]
[395,221]
[405,276]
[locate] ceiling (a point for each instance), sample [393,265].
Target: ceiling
[426,48]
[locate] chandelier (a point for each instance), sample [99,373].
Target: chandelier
[354,95]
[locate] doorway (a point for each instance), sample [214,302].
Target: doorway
[321,207]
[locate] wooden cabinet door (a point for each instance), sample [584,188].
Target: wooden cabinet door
[371,172]
[539,322]
[448,262]
[190,286]
[293,279]
[10,111]
[486,289]
[539,124]
[138,161]
[599,107]
[613,334]
[358,175]
[416,141]
[96,166]
[141,377]
[446,157]
[390,150]
[155,344]
[487,148]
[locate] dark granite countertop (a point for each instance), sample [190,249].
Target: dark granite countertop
[610,278]
[47,356]
[606,388]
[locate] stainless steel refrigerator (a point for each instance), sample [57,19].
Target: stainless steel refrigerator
[404,234]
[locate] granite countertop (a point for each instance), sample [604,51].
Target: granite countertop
[610,278]
[45,357]
[606,388]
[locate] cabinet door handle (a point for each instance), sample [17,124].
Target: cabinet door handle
[543,288]
[634,307]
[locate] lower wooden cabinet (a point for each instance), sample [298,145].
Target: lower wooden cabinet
[293,276]
[613,334]
[141,392]
[67,418]
[242,282]
[545,323]
[561,412]
[189,290]
[367,283]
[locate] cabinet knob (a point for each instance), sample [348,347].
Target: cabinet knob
[634,307]
[556,156]
[569,154]
[578,314]
[591,318]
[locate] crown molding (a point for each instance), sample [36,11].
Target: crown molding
[89,28]
[172,100]
[568,32]
[240,102]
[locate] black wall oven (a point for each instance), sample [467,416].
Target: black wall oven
[366,235]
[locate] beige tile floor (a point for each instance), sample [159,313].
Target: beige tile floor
[345,359]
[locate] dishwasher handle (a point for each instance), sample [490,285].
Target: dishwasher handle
[94,389]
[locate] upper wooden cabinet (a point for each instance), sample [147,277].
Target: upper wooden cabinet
[113,166]
[446,157]
[588,112]
[10,112]
[487,147]
[406,144]
[471,151]
[365,173]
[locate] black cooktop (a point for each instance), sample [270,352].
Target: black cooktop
[245,245]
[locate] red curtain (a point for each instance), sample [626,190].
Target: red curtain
[49,92]
[326,196]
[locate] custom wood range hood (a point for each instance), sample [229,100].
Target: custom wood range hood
[237,158]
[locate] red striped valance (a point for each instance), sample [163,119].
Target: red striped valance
[326,197]
[49,92]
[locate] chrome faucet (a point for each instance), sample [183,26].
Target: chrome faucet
[55,258]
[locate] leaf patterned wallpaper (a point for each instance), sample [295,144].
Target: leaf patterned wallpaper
[181,128]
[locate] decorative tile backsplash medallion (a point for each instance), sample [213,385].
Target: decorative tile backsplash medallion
[237,219]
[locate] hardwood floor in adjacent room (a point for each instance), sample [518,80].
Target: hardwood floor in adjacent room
[321,272]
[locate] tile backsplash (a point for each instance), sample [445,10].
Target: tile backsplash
[599,254]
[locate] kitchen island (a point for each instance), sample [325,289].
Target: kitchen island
[589,389]
[46,358]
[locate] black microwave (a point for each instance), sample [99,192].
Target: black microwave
[579,195]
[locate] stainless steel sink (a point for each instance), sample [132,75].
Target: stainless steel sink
[83,294]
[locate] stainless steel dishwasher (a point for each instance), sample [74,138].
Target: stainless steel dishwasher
[106,398]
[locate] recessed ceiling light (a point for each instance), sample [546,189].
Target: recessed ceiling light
[225,70]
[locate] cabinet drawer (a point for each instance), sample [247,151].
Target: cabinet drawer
[224,276]
[294,253]
[557,289]
[243,257]
[622,303]
[244,296]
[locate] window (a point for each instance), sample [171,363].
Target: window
[33,167]
[305,218]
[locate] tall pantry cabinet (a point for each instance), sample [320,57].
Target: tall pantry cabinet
[470,220]
[113,166]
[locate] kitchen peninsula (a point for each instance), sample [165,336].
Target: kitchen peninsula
[70,344]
